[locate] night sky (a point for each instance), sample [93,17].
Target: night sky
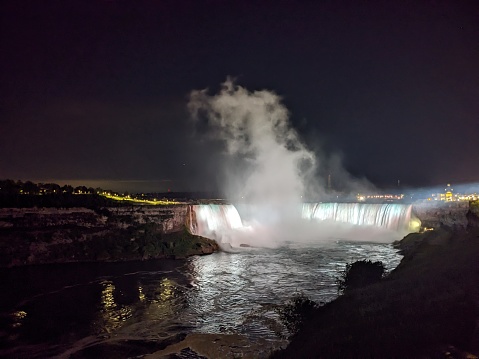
[97,90]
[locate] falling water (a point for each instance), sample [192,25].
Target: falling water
[311,222]
[209,220]
[391,216]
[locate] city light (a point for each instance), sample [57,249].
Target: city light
[128,198]
[385,197]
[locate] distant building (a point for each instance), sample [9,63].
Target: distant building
[449,196]
[446,196]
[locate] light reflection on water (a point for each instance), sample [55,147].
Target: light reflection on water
[113,316]
[74,306]
[228,288]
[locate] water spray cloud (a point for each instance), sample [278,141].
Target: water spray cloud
[255,128]
[269,170]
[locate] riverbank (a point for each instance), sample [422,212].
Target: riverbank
[428,307]
[31,236]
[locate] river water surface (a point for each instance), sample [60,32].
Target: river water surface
[62,310]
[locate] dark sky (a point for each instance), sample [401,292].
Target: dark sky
[98,89]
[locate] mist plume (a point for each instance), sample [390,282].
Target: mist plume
[268,162]
[268,172]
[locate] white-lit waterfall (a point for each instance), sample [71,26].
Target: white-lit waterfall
[208,220]
[310,222]
[391,215]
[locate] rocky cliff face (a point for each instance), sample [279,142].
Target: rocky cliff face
[171,219]
[473,214]
[439,214]
[52,235]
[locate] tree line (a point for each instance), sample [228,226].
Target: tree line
[19,194]
[9,186]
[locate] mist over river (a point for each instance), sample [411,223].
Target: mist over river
[68,309]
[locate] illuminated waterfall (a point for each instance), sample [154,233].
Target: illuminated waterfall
[310,222]
[211,220]
[395,217]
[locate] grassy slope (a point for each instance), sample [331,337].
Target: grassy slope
[428,304]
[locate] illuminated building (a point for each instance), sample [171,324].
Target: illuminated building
[448,196]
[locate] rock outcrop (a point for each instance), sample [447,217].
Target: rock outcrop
[56,235]
[442,214]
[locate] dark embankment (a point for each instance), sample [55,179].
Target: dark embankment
[426,308]
[79,234]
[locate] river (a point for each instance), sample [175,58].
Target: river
[70,309]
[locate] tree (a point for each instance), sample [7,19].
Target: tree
[8,186]
[67,189]
[30,188]
[296,311]
[81,190]
[52,187]
[360,274]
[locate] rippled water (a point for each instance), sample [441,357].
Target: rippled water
[61,309]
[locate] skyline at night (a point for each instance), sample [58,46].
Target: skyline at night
[97,92]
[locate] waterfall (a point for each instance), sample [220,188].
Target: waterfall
[391,216]
[211,220]
[266,226]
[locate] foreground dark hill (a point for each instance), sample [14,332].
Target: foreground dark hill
[428,307]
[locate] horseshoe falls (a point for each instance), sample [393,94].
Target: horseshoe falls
[390,216]
[301,224]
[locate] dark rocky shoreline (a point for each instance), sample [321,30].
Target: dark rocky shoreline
[31,236]
[428,307]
